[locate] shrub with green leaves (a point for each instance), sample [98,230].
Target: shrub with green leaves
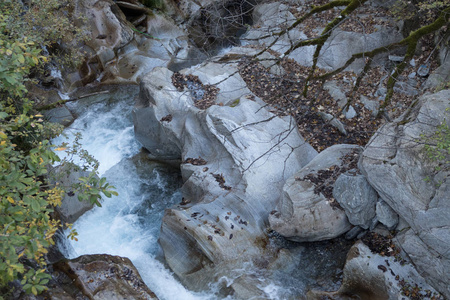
[27,199]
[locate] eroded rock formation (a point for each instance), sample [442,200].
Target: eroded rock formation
[99,277]
[236,158]
[397,166]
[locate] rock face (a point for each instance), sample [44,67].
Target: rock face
[99,277]
[370,276]
[336,51]
[118,54]
[440,77]
[71,208]
[236,158]
[60,115]
[303,214]
[357,197]
[396,165]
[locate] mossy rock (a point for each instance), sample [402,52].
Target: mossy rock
[158,4]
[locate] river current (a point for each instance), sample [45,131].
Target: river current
[128,225]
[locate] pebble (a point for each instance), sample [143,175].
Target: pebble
[423,70]
[396,58]
[350,113]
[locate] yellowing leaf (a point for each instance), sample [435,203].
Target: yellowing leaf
[21,59]
[60,149]
[10,200]
[8,52]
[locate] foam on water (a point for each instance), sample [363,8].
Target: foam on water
[127,225]
[107,134]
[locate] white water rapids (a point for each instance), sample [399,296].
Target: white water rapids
[127,225]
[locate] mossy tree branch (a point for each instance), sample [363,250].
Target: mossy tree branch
[62,102]
[313,11]
[351,5]
[326,33]
[411,41]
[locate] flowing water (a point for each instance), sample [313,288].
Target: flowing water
[127,225]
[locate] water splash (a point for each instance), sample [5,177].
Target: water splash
[127,225]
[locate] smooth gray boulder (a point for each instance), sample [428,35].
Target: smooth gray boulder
[372,105]
[303,215]
[440,77]
[336,92]
[60,115]
[371,276]
[357,197]
[236,157]
[397,166]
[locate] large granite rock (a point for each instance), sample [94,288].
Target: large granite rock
[371,276]
[414,186]
[303,215]
[236,158]
[431,265]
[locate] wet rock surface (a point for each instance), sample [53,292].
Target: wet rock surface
[71,208]
[99,277]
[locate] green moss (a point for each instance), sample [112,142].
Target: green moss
[158,4]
